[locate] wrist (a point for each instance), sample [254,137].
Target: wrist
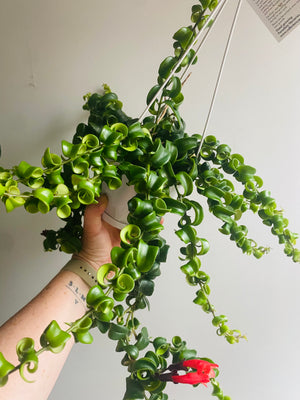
[83,269]
[85,258]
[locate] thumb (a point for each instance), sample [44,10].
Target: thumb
[93,215]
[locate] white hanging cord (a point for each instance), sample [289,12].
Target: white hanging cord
[211,16]
[220,73]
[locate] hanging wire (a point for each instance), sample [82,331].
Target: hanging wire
[213,15]
[220,74]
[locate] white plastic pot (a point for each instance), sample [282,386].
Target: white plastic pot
[117,209]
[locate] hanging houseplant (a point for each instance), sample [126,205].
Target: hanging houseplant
[163,166]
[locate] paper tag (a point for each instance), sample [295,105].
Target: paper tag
[279,16]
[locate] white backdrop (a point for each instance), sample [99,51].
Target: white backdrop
[52,53]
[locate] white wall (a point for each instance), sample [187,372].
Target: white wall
[52,53]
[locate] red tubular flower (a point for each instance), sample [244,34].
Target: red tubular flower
[203,374]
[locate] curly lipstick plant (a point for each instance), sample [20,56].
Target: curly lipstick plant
[164,165]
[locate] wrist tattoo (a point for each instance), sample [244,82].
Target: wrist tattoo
[79,297]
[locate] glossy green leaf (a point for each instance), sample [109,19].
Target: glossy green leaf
[54,177]
[24,346]
[187,234]
[161,155]
[205,3]
[117,255]
[44,195]
[134,173]
[5,175]
[111,177]
[176,206]
[106,274]
[186,183]
[31,205]
[230,166]
[145,368]
[134,390]
[220,319]
[136,130]
[127,260]
[198,211]
[166,67]
[155,184]
[71,150]
[212,5]
[102,326]
[80,166]
[146,256]
[175,88]
[189,268]
[159,396]
[121,129]
[63,209]
[5,368]
[142,339]
[30,363]
[85,192]
[223,152]
[140,208]
[204,246]
[124,284]
[133,272]
[132,351]
[95,159]
[117,332]
[61,190]
[2,190]
[151,222]
[184,36]
[84,337]
[188,58]
[214,193]
[130,234]
[155,387]
[54,338]
[13,202]
[146,287]
[245,173]
[224,213]
[25,170]
[109,136]
[51,160]
[94,295]
[104,308]
[160,206]
[91,141]
[152,93]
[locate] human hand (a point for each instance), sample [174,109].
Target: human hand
[98,236]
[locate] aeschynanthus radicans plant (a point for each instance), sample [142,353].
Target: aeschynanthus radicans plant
[158,158]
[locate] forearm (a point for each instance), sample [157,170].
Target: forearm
[63,300]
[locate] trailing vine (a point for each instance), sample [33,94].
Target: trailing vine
[165,165]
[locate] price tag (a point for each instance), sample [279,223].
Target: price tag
[279,16]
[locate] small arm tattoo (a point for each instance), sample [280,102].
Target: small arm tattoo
[79,297]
